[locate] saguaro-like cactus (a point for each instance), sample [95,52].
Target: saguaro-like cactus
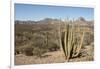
[69,42]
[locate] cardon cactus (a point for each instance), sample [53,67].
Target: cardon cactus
[69,42]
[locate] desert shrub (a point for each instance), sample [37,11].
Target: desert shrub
[39,52]
[28,51]
[39,45]
[89,38]
[53,47]
[20,39]
[19,50]
[36,43]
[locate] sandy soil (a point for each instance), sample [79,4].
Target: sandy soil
[55,57]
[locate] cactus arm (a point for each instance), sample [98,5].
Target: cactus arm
[66,38]
[78,49]
[61,39]
[63,45]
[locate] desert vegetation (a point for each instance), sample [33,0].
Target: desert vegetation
[53,41]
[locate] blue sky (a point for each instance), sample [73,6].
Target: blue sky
[39,12]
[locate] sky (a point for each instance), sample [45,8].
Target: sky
[39,12]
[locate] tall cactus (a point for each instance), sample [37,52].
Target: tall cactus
[68,42]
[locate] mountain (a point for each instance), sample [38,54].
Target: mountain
[50,21]
[83,22]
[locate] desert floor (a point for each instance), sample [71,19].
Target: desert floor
[55,57]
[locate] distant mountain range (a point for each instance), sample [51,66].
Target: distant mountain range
[80,21]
